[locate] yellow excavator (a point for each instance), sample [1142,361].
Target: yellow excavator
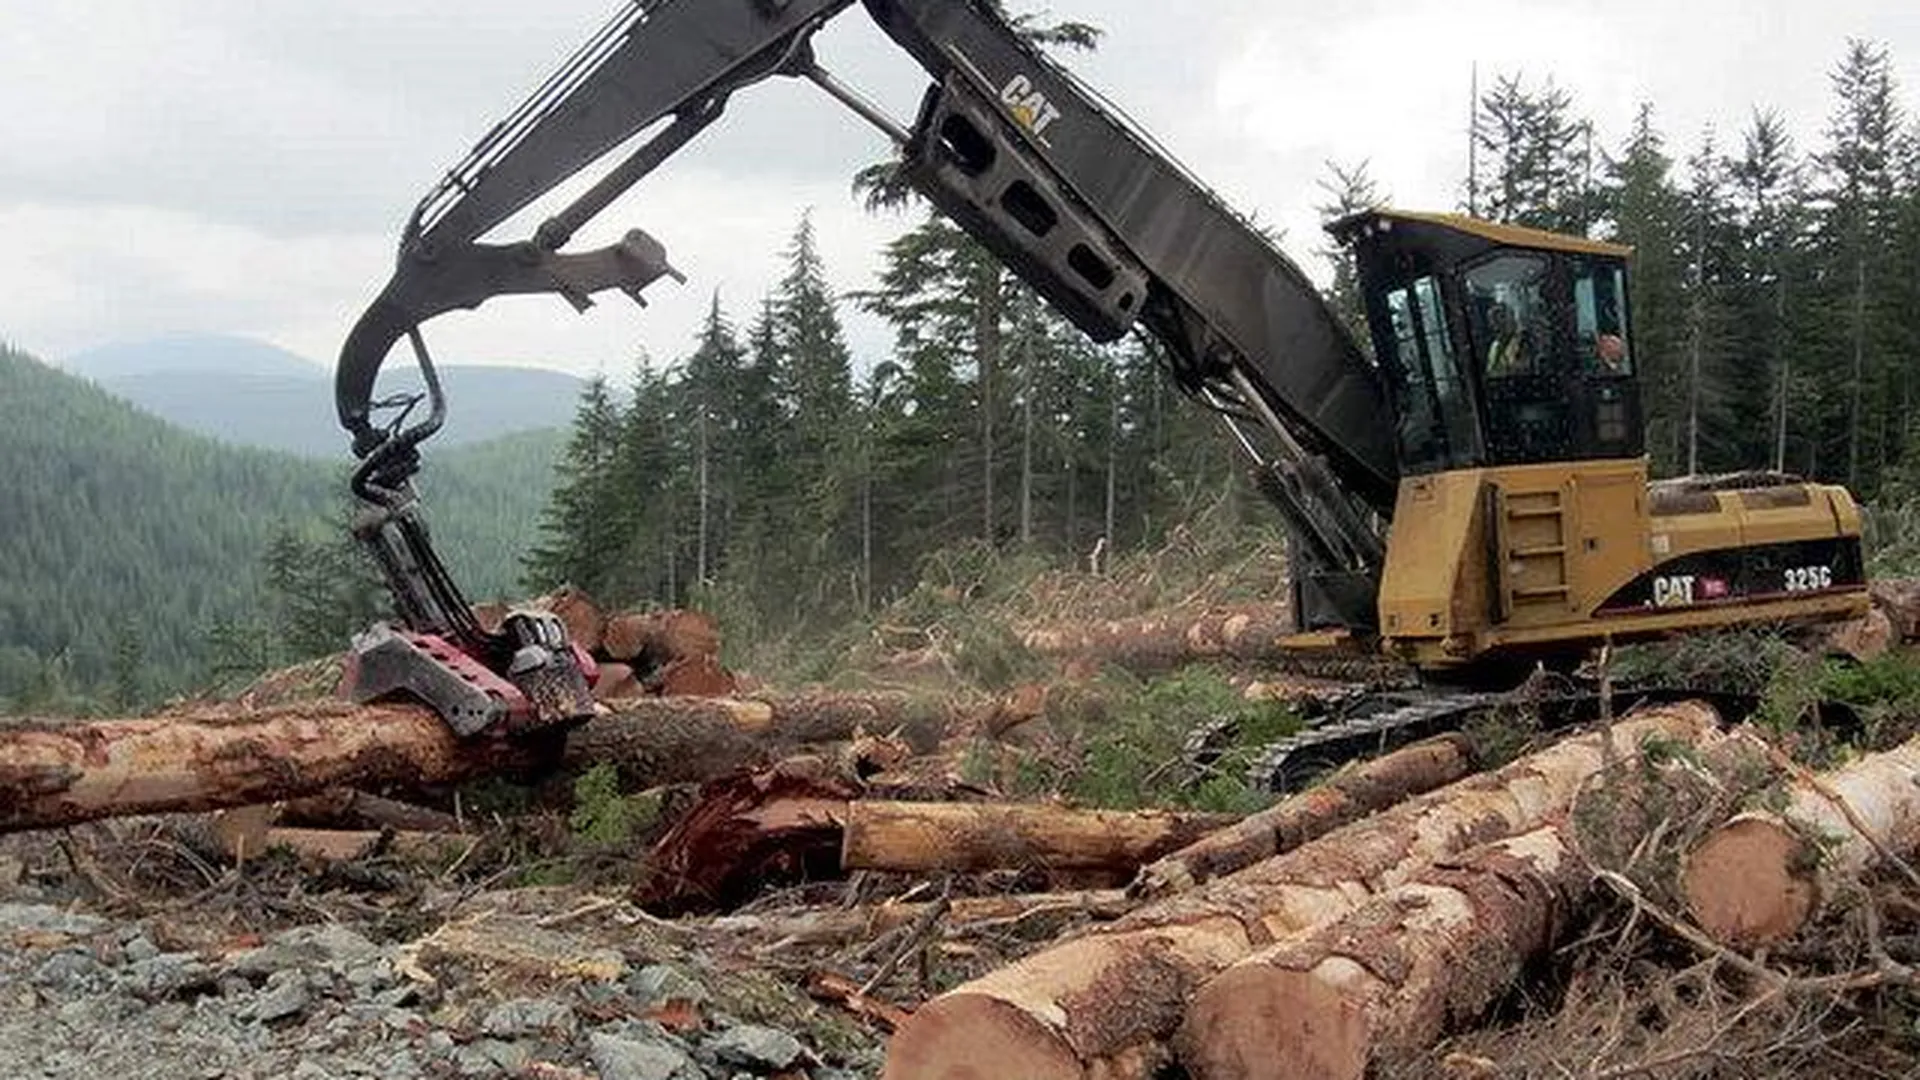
[1472,499]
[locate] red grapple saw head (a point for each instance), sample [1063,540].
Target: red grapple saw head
[534,677]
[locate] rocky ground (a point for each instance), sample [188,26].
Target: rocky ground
[541,983]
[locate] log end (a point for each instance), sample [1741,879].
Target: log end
[1748,883]
[965,1036]
[1255,1020]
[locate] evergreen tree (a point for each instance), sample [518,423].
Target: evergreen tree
[1348,191]
[1857,204]
[1539,154]
[1767,196]
[580,538]
[1641,208]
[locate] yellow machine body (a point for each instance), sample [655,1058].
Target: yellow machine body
[1528,560]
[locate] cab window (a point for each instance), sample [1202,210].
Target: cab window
[1507,303]
[1437,427]
[1600,317]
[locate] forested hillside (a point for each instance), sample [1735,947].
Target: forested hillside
[135,552]
[248,393]
[1776,276]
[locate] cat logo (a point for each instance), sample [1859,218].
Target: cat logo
[1673,591]
[1029,107]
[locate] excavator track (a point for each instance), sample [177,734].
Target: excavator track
[1362,723]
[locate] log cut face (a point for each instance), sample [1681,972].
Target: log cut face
[1110,1000]
[1389,979]
[1761,877]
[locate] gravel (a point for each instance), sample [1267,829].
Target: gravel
[82,996]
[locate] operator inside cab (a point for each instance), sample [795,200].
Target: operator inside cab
[1500,345]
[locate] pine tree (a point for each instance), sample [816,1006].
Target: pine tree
[1640,208]
[1766,194]
[1348,191]
[580,538]
[1540,156]
[1858,212]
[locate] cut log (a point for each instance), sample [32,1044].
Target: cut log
[617,683]
[1105,1004]
[694,676]
[346,845]
[1866,638]
[652,639]
[803,820]
[1347,796]
[837,926]
[1250,632]
[345,808]
[60,772]
[1383,982]
[926,838]
[1761,877]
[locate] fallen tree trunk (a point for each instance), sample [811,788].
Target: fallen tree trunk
[1382,982]
[1251,632]
[1104,1004]
[926,838]
[837,926]
[1762,876]
[803,820]
[58,772]
[1347,796]
[345,808]
[347,845]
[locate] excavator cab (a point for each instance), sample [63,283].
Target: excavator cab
[1499,345]
[1526,528]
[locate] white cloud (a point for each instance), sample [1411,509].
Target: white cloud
[239,165]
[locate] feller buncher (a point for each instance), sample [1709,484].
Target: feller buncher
[1473,501]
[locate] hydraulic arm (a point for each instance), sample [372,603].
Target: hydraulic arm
[1109,229]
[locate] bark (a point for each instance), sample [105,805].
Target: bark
[1385,981]
[1348,796]
[58,772]
[1249,632]
[345,808]
[838,989]
[927,838]
[804,820]
[1761,877]
[1104,1004]
[837,926]
[347,845]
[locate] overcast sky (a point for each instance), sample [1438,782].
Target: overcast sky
[243,166]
